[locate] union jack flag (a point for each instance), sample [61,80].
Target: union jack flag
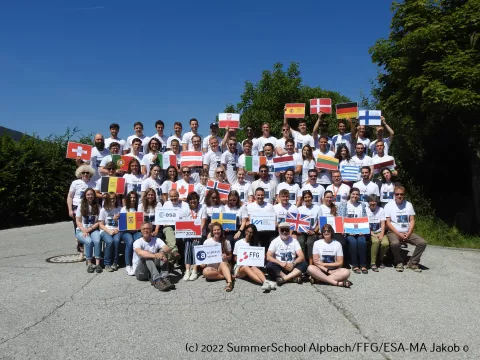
[223,189]
[298,222]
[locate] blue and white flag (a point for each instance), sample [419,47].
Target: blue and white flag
[370,117]
[350,172]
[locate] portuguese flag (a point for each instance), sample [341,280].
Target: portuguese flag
[326,162]
[295,110]
[347,110]
[122,161]
[112,184]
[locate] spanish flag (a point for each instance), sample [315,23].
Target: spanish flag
[112,184]
[347,110]
[130,221]
[295,111]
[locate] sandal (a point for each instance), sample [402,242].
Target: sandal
[382,266]
[356,270]
[229,286]
[298,280]
[364,270]
[374,268]
[344,283]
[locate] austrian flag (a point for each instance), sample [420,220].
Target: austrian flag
[228,120]
[191,158]
[77,150]
[324,105]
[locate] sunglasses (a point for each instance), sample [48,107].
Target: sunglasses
[220,172]
[85,173]
[285,230]
[186,172]
[326,232]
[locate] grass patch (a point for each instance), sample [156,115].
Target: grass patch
[436,232]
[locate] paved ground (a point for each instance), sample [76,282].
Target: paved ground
[59,311]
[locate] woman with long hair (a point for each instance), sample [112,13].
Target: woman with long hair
[154,147]
[212,206]
[154,182]
[133,178]
[87,229]
[343,156]
[252,272]
[202,186]
[148,206]
[308,162]
[328,261]
[235,206]
[172,177]
[243,187]
[221,270]
[314,210]
[385,187]
[129,236]
[109,232]
[377,219]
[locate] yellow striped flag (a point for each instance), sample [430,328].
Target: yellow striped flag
[130,221]
[112,184]
[295,110]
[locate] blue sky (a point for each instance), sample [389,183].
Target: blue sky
[91,63]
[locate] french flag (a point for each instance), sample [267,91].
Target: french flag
[335,221]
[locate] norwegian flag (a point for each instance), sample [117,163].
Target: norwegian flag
[228,120]
[323,104]
[298,222]
[223,189]
[183,190]
[77,150]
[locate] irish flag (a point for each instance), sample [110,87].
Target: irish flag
[252,163]
[356,226]
[335,221]
[165,160]
[326,162]
[112,184]
[130,221]
[295,110]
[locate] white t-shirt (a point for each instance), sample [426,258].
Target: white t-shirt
[183,206]
[174,137]
[89,220]
[326,211]
[324,176]
[187,139]
[238,244]
[153,246]
[199,213]
[214,209]
[285,251]
[269,187]
[317,192]
[149,213]
[315,211]
[133,183]
[364,161]
[254,208]
[373,149]
[399,215]
[150,183]
[107,216]
[145,140]
[375,218]
[121,142]
[280,142]
[302,140]
[340,194]
[245,190]
[163,139]
[354,211]
[96,159]
[342,139]
[227,248]
[212,159]
[307,165]
[261,141]
[293,189]
[281,212]
[230,161]
[78,188]
[377,160]
[241,213]
[328,252]
[365,190]
[386,192]
[206,142]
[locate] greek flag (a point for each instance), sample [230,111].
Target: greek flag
[350,172]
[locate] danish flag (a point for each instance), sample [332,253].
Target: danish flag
[324,105]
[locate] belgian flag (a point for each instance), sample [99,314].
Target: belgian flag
[112,184]
[347,110]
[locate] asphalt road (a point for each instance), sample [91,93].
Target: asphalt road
[59,311]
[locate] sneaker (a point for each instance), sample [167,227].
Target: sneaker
[414,267]
[115,267]
[399,267]
[382,266]
[298,280]
[193,276]
[266,286]
[186,276]
[280,281]
[90,268]
[98,269]
[108,268]
[160,285]
[168,283]
[272,284]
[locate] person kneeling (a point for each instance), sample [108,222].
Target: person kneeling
[150,260]
[285,259]
[328,260]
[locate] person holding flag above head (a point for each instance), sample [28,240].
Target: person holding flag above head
[342,137]
[387,141]
[321,129]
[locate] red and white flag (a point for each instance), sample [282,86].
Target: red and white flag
[183,190]
[223,189]
[188,229]
[323,104]
[191,158]
[228,120]
[77,150]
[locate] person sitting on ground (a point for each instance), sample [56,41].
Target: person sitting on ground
[328,261]
[285,259]
[150,259]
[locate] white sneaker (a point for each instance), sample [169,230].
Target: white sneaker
[193,275]
[272,284]
[266,286]
[186,276]
[129,270]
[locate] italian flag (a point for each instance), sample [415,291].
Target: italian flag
[166,160]
[252,163]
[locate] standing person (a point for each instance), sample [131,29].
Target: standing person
[268,153]
[400,218]
[376,219]
[109,232]
[129,236]
[136,149]
[187,137]
[114,130]
[366,186]
[362,139]
[260,206]
[84,174]
[385,187]
[219,271]
[197,146]
[316,190]
[133,178]
[169,230]
[328,261]
[235,206]
[177,134]
[229,160]
[344,138]
[175,150]
[171,178]
[160,126]
[292,188]
[340,190]
[302,137]
[343,156]
[212,159]
[152,157]
[154,182]
[114,150]
[206,146]
[247,151]
[321,125]
[280,143]
[308,163]
[315,211]
[138,128]
[269,186]
[324,176]
[202,186]
[148,206]
[150,260]
[266,138]
[387,141]
[285,259]
[252,272]
[360,159]
[353,208]
[98,153]
[381,157]
[244,188]
[87,229]
[250,130]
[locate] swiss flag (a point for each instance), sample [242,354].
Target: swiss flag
[324,105]
[77,150]
[183,190]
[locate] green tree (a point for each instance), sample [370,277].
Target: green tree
[429,88]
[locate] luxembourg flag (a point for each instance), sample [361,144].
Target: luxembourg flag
[370,117]
[283,163]
[356,226]
[335,221]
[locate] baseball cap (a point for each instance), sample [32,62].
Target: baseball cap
[214,124]
[284,225]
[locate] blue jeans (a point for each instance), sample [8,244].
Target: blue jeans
[129,238]
[109,241]
[90,243]
[357,245]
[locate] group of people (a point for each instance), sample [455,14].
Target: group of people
[317,251]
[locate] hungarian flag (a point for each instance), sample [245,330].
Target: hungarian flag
[191,158]
[323,104]
[223,189]
[295,110]
[335,221]
[130,221]
[77,150]
[228,120]
[166,160]
[370,117]
[188,229]
[227,220]
[122,161]
[326,162]
[356,226]
[252,163]
[183,190]
[347,110]
[283,163]
[112,184]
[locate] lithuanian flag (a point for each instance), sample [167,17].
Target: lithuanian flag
[295,110]
[326,162]
[130,221]
[122,161]
[112,184]
[347,110]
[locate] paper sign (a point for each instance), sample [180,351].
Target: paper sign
[188,229]
[166,216]
[208,254]
[283,163]
[263,222]
[228,120]
[251,256]
[77,150]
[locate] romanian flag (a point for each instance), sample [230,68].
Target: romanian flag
[326,162]
[252,163]
[130,221]
[295,110]
[228,220]
[166,160]
[112,184]
[122,161]
[347,110]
